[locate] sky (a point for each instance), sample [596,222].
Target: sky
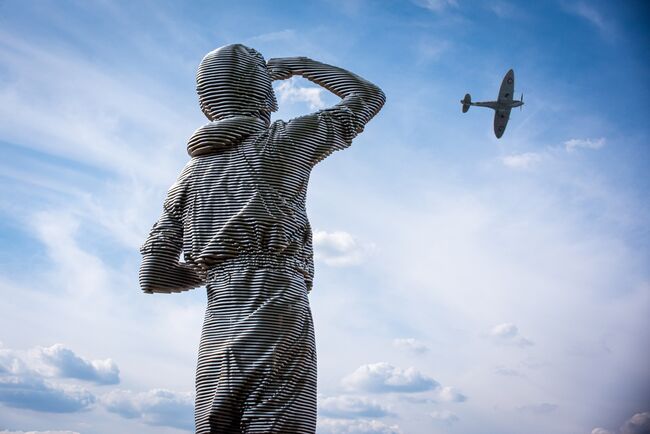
[464,284]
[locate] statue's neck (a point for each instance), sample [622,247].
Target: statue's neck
[223,133]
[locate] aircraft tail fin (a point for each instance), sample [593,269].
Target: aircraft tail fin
[467,101]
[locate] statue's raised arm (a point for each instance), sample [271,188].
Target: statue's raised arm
[333,128]
[362,97]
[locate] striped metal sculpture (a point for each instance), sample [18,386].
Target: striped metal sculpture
[237,214]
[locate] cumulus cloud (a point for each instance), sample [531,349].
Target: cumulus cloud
[508,334]
[23,387]
[157,407]
[444,416]
[338,248]
[69,365]
[290,91]
[522,161]
[334,426]
[450,394]
[350,407]
[574,144]
[440,394]
[34,393]
[383,377]
[410,344]
[637,424]
[60,362]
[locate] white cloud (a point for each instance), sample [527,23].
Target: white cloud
[350,407]
[79,271]
[33,393]
[528,160]
[431,50]
[574,144]
[57,361]
[30,391]
[588,12]
[383,377]
[503,9]
[522,161]
[444,416]
[410,344]
[450,394]
[89,117]
[637,424]
[504,331]
[333,426]
[436,5]
[156,407]
[289,91]
[38,432]
[339,248]
[85,113]
[23,386]
[508,333]
[600,431]
[440,394]
[280,35]
[68,364]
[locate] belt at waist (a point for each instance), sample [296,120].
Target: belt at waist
[258,260]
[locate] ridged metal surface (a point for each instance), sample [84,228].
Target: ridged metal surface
[237,214]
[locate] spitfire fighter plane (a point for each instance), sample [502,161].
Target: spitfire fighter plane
[501,106]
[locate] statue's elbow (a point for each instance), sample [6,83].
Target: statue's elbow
[147,286]
[378,97]
[147,276]
[374,99]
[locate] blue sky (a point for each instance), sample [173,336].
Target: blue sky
[464,284]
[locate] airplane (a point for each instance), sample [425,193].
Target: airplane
[501,106]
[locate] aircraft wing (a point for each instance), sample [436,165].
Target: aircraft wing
[501,117]
[507,87]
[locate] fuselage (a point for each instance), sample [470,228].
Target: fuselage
[498,105]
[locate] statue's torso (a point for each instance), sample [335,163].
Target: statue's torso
[246,200]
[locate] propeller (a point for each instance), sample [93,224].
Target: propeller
[521,107]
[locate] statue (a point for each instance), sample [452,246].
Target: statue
[237,214]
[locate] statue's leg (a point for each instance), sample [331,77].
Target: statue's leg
[257,361]
[283,398]
[218,393]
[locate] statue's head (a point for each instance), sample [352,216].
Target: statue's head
[232,81]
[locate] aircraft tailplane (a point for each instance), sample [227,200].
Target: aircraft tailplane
[467,101]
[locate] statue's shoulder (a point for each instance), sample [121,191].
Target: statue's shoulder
[187,170]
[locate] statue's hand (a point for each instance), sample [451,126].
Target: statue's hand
[278,70]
